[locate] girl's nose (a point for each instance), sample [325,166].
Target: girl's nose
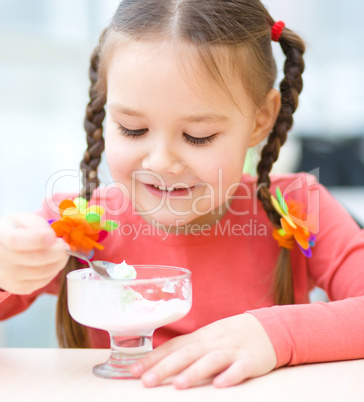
[160,159]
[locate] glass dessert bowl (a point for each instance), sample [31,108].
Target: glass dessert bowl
[129,310]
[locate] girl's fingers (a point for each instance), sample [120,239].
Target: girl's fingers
[27,287]
[207,366]
[156,355]
[25,271]
[44,272]
[194,366]
[239,371]
[35,259]
[32,278]
[31,254]
[26,232]
[172,364]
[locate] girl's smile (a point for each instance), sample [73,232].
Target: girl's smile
[173,137]
[170,191]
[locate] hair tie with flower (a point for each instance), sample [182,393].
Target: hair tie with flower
[292,228]
[81,226]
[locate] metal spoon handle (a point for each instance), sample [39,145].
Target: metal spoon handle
[98,269]
[79,255]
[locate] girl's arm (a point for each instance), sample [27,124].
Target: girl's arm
[325,331]
[315,333]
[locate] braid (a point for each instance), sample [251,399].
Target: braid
[95,114]
[70,333]
[290,88]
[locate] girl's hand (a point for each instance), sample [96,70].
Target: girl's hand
[30,254]
[231,350]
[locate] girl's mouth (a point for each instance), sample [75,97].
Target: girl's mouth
[166,191]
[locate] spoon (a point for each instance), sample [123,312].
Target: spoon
[101,268]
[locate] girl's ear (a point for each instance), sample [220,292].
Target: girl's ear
[266,117]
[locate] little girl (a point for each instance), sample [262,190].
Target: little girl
[187,86]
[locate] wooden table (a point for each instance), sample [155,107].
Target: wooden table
[65,375]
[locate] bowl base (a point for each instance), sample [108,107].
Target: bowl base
[114,371]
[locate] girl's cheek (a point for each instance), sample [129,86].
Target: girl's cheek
[115,164]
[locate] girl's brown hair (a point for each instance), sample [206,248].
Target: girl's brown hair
[236,31]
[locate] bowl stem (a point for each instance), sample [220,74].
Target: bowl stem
[125,350]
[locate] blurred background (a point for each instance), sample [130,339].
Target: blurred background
[44,55]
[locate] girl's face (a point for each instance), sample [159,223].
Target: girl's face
[175,142]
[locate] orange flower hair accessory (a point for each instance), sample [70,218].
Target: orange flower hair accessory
[81,226]
[291,230]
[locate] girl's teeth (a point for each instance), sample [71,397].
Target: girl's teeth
[161,188]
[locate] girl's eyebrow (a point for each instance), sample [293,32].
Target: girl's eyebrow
[192,118]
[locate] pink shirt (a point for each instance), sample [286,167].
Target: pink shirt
[232,267]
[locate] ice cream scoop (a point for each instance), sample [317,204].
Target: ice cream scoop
[107,270]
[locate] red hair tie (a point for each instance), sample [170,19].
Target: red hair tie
[277,29]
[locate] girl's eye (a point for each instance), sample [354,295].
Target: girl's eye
[198,140]
[132,133]
[191,140]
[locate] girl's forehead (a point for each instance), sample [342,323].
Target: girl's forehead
[174,54]
[175,66]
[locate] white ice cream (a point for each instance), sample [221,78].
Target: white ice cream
[122,271]
[122,310]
